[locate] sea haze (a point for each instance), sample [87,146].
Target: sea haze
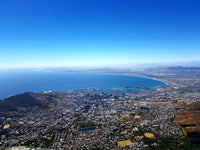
[12,83]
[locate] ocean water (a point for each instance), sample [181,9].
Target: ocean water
[12,83]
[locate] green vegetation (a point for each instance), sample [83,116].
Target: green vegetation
[86,109]
[170,143]
[43,140]
[85,124]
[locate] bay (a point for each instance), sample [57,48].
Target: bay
[12,83]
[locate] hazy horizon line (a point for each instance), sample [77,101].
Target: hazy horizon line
[120,66]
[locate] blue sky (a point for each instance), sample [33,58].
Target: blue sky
[45,33]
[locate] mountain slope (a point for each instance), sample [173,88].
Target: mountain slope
[25,100]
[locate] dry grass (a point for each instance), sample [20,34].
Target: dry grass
[124,116]
[31,122]
[189,119]
[125,143]
[6,126]
[137,117]
[149,135]
[20,122]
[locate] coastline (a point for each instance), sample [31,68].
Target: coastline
[55,88]
[109,74]
[150,78]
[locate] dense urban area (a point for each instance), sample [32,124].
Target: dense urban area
[168,118]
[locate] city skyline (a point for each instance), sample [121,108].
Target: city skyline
[40,33]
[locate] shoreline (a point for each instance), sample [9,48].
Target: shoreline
[151,78]
[163,83]
[110,74]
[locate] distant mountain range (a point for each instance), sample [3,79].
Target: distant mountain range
[120,68]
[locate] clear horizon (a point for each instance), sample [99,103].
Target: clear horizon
[101,33]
